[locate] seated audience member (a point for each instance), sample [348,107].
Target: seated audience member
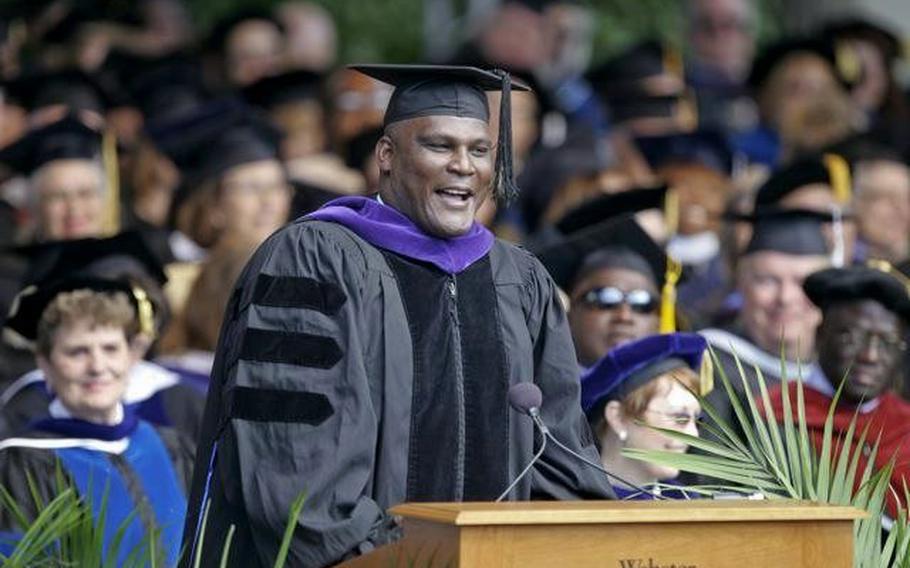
[645,90]
[249,45]
[865,311]
[613,274]
[802,101]
[294,102]
[697,167]
[83,329]
[234,185]
[635,387]
[877,90]
[721,35]
[881,200]
[155,393]
[776,318]
[191,341]
[356,103]
[66,179]
[311,37]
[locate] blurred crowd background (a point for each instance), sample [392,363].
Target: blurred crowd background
[183,133]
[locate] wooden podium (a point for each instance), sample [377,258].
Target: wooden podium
[624,534]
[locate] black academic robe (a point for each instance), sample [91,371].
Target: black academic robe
[365,379]
[136,474]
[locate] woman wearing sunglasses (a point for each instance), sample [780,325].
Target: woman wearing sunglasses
[640,385]
[612,274]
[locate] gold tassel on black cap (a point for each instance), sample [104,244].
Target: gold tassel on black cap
[504,186]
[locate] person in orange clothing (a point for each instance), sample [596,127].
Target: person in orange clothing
[865,311]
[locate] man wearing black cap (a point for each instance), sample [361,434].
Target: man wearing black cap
[865,310]
[368,349]
[776,318]
[66,178]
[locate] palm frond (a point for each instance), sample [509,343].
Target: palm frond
[775,457]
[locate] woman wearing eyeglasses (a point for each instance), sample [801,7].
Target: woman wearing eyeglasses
[637,386]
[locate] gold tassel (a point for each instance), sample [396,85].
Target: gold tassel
[839,174]
[888,268]
[706,374]
[671,212]
[673,61]
[146,314]
[112,202]
[847,62]
[668,296]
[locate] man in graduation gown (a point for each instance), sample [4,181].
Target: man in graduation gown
[865,311]
[368,350]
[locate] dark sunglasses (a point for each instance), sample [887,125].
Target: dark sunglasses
[610,298]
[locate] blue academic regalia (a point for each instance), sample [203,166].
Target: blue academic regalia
[119,469]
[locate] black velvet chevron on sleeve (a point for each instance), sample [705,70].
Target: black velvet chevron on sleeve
[289,348]
[274,405]
[298,292]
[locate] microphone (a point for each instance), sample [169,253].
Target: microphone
[527,399]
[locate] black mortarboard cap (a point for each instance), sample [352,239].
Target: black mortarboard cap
[837,285]
[863,148]
[161,87]
[861,29]
[72,88]
[55,260]
[611,205]
[30,303]
[68,138]
[214,138]
[804,172]
[706,147]
[790,231]
[630,74]
[564,259]
[624,110]
[771,56]
[293,86]
[449,90]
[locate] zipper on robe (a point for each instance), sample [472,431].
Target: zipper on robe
[459,387]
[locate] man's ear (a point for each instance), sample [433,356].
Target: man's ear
[385,150]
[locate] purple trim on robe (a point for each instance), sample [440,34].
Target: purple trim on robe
[76,428]
[386,228]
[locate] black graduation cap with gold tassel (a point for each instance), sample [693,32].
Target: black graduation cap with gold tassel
[62,266]
[606,222]
[829,169]
[21,327]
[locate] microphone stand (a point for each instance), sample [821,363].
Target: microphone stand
[527,468]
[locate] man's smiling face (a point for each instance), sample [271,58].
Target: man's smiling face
[437,170]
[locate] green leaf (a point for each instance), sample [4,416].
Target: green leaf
[296,507]
[226,550]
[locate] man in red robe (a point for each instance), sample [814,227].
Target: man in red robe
[860,340]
